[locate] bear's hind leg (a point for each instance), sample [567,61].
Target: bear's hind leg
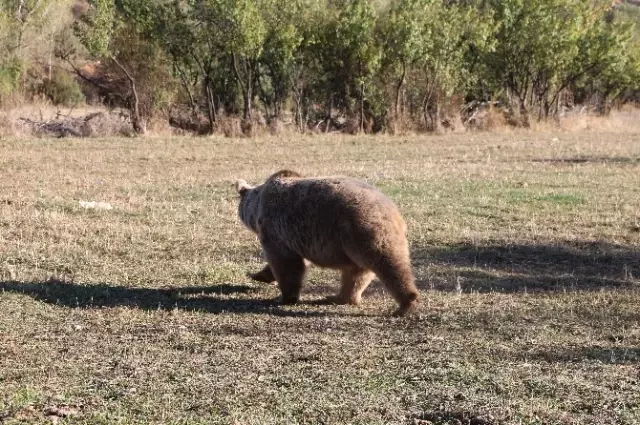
[288,269]
[354,281]
[398,278]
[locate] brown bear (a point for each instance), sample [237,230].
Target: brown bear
[334,222]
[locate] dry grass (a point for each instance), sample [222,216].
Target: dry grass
[526,247]
[622,120]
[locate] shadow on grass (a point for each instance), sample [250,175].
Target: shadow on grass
[506,267]
[447,417]
[208,299]
[607,355]
[617,160]
[532,267]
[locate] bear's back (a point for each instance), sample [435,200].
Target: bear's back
[322,199]
[318,217]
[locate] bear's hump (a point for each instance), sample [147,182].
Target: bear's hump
[337,193]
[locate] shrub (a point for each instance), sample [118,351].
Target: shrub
[62,89]
[10,73]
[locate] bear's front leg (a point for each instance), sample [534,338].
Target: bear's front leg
[288,269]
[265,275]
[289,272]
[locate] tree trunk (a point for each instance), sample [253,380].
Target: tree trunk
[328,126]
[362,107]
[546,108]
[425,113]
[298,112]
[297,97]
[246,114]
[524,114]
[399,89]
[192,101]
[246,86]
[278,110]
[211,108]
[249,91]
[50,64]
[428,118]
[137,120]
[268,102]
[437,120]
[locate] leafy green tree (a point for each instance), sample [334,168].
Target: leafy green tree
[545,46]
[245,31]
[365,59]
[176,33]
[120,33]
[349,54]
[27,32]
[22,20]
[197,53]
[282,45]
[307,71]
[612,77]
[433,39]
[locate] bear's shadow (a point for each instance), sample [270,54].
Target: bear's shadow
[511,268]
[210,299]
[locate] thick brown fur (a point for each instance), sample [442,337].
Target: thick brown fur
[266,275]
[335,222]
[283,174]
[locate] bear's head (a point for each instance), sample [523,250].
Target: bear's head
[250,195]
[248,206]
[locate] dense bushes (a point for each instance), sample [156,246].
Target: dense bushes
[354,65]
[62,89]
[10,73]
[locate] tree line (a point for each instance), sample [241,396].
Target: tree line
[356,65]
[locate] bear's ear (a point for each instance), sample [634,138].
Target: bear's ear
[242,186]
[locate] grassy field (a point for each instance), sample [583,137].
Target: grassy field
[526,249]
